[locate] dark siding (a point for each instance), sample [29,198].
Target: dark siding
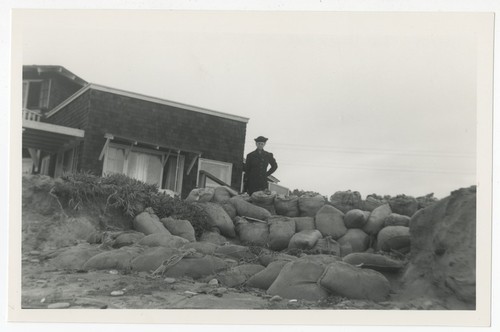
[217,138]
[61,88]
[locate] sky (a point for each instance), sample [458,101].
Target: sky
[376,103]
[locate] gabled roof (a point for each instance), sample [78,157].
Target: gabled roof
[55,69]
[97,87]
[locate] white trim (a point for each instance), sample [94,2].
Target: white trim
[147,98]
[67,101]
[53,128]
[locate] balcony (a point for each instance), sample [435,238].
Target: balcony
[31,115]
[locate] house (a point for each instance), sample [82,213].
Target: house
[71,125]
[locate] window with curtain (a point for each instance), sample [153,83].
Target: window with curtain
[140,165]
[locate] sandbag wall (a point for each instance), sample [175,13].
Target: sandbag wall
[308,223]
[336,244]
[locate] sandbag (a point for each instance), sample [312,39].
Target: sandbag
[118,259]
[299,280]
[265,278]
[356,218]
[346,200]
[330,222]
[371,203]
[405,205]
[376,219]
[374,261]
[309,205]
[327,246]
[267,258]
[229,208]
[163,240]
[213,237]
[304,223]
[178,227]
[196,267]
[206,248]
[323,260]
[148,223]
[127,239]
[305,239]
[252,233]
[358,240]
[395,219]
[280,233]
[393,237]
[152,258]
[200,195]
[247,209]
[238,275]
[264,199]
[218,217]
[75,257]
[222,194]
[352,282]
[287,206]
[236,252]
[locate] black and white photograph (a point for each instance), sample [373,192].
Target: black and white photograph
[291,162]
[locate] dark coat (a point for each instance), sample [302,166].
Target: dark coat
[256,171]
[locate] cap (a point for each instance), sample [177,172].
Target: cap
[261,139]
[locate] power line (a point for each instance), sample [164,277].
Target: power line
[389,169]
[440,154]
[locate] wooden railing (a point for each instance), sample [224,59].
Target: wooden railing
[204,175]
[31,115]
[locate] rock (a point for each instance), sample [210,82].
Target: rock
[59,305]
[170,280]
[276,298]
[117,293]
[221,290]
[213,237]
[213,282]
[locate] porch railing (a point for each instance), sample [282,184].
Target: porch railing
[31,115]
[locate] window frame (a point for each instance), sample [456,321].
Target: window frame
[132,148]
[216,162]
[43,101]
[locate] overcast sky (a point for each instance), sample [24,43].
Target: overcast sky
[377,103]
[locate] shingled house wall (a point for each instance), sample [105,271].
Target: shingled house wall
[100,112]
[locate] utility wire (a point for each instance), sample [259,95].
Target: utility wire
[389,169]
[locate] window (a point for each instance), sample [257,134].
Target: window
[149,166]
[219,169]
[36,94]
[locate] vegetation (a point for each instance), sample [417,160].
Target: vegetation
[128,195]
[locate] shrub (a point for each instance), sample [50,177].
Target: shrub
[129,195]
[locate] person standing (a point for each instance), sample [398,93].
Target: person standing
[256,165]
